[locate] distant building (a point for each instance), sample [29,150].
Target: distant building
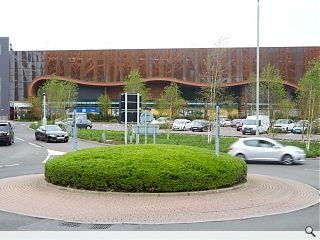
[103,71]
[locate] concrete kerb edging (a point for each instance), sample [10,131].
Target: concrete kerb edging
[166,194]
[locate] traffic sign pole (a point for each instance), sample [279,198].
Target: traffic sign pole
[126,118]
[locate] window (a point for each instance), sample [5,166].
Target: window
[251,143]
[265,144]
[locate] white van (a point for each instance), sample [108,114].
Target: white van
[249,124]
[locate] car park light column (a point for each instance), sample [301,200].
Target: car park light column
[257,86]
[44,119]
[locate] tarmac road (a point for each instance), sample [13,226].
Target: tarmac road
[26,156]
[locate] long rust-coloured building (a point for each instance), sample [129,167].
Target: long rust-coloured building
[104,71]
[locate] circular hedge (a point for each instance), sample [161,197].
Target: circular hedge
[145,168]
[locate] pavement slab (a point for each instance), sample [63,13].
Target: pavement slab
[261,195]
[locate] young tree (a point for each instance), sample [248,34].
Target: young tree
[273,91]
[171,100]
[36,106]
[60,95]
[309,94]
[104,104]
[211,94]
[135,84]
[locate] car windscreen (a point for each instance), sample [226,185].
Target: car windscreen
[3,127]
[283,121]
[180,122]
[53,128]
[199,123]
[250,122]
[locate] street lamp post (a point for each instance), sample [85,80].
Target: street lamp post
[257,86]
[44,119]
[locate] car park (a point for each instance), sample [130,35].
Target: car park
[266,149]
[6,133]
[181,125]
[301,127]
[200,125]
[284,125]
[51,133]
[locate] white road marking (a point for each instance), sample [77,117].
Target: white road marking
[307,169]
[12,165]
[20,139]
[35,145]
[52,153]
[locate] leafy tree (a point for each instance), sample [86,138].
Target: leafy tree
[36,106]
[271,91]
[309,94]
[135,84]
[171,100]
[104,104]
[60,96]
[213,92]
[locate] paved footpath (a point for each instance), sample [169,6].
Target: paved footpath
[261,195]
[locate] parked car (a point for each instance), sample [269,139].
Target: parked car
[237,123]
[51,133]
[6,133]
[225,122]
[266,149]
[285,125]
[81,123]
[161,120]
[200,125]
[181,124]
[301,127]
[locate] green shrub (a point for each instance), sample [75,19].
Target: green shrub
[145,168]
[191,140]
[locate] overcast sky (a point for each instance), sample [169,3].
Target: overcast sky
[125,24]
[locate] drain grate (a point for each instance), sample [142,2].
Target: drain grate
[69,224]
[100,226]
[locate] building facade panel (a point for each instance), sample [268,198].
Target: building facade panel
[187,65]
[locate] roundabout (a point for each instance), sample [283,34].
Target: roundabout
[261,195]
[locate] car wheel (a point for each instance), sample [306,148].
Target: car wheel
[88,127]
[66,140]
[10,141]
[287,159]
[47,139]
[241,156]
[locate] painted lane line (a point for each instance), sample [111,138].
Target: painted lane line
[52,153]
[35,145]
[307,169]
[12,165]
[20,139]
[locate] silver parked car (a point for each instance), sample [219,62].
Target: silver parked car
[266,149]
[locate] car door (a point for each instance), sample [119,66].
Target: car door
[41,133]
[251,149]
[267,151]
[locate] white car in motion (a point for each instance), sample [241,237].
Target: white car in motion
[266,149]
[181,125]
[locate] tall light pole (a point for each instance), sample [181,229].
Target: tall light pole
[258,72]
[44,119]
